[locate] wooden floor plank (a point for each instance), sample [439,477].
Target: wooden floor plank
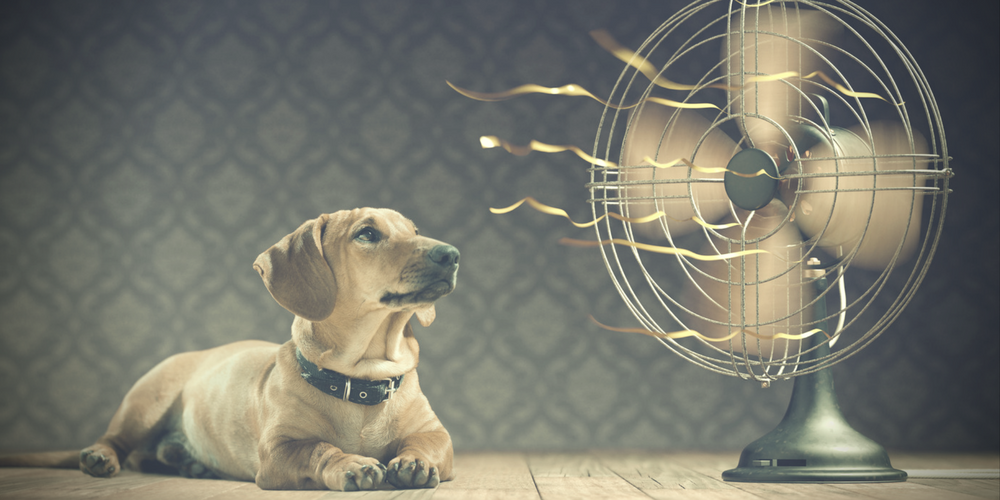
[714,464]
[416,494]
[945,460]
[9,473]
[578,476]
[483,476]
[85,486]
[250,491]
[985,488]
[18,480]
[789,490]
[175,488]
[586,488]
[909,490]
[48,483]
[662,475]
[567,465]
[535,476]
[73,483]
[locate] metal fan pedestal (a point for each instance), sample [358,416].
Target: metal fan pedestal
[814,443]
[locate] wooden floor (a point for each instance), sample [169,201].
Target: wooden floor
[575,476]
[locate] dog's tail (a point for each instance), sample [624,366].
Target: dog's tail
[49,459]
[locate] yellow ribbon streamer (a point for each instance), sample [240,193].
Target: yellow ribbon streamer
[546,209]
[530,88]
[626,55]
[713,226]
[692,166]
[550,210]
[672,163]
[608,43]
[844,90]
[569,90]
[692,333]
[706,170]
[754,5]
[658,249]
[677,104]
[492,141]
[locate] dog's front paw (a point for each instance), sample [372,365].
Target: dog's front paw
[407,471]
[359,473]
[99,461]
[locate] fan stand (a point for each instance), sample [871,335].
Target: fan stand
[814,443]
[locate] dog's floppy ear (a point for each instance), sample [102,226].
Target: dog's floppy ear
[296,273]
[426,316]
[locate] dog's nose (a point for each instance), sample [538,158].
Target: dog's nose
[444,255]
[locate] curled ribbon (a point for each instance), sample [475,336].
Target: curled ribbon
[608,43]
[546,209]
[569,90]
[658,249]
[530,88]
[702,223]
[705,170]
[626,55]
[758,4]
[550,210]
[844,90]
[492,141]
[691,333]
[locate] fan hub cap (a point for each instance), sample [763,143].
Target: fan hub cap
[747,187]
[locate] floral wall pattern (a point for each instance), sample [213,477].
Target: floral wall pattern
[150,150]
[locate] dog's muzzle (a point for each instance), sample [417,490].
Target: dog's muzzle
[432,279]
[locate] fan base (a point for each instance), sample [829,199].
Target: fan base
[813,443]
[805,474]
[816,446]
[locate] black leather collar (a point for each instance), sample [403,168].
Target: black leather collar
[355,390]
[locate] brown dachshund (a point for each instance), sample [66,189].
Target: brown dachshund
[338,406]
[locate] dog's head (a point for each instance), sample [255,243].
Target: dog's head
[365,256]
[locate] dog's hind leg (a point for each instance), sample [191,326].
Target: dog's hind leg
[145,414]
[172,451]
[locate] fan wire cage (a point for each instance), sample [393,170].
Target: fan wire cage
[821,122]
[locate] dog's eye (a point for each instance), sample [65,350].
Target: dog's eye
[367,234]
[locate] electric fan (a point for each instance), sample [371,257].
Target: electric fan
[810,152]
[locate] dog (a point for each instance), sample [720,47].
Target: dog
[338,406]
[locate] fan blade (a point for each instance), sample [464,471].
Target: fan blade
[762,294]
[874,224]
[664,135]
[768,41]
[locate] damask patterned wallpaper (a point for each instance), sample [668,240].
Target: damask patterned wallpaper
[150,150]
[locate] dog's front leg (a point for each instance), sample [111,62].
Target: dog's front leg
[313,464]
[424,460]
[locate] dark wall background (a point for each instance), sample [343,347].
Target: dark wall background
[150,150]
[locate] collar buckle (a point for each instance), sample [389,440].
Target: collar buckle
[392,387]
[347,388]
